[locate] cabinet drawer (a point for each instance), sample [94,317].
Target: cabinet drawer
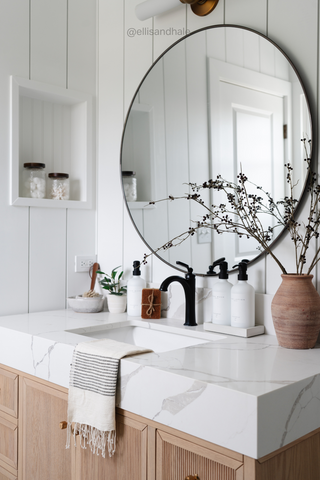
[8,393]
[4,475]
[8,442]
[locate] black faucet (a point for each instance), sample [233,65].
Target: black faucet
[189,287]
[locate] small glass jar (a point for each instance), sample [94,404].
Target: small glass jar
[129,185]
[58,186]
[34,180]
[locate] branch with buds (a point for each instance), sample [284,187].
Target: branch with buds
[242,213]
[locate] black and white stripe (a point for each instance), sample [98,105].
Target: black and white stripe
[94,373]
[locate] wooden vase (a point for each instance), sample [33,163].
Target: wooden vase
[295,312]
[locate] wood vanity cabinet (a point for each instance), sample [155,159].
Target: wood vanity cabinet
[145,452]
[8,425]
[32,445]
[178,458]
[129,461]
[42,452]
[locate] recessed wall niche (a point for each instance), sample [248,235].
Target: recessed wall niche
[54,126]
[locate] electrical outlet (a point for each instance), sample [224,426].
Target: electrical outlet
[83,263]
[204,235]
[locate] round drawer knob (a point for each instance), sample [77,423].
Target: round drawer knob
[64,425]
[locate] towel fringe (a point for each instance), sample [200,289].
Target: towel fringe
[96,439]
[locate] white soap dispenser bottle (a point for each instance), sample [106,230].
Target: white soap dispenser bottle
[134,291]
[221,297]
[242,300]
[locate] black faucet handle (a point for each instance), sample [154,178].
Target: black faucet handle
[190,270]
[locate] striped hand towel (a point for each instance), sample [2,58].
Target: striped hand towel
[92,392]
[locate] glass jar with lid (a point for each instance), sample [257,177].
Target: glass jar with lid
[129,185]
[58,186]
[34,180]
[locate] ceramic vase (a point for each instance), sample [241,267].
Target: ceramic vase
[117,303]
[295,312]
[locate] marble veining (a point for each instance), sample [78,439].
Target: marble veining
[249,395]
[301,403]
[124,379]
[39,362]
[175,404]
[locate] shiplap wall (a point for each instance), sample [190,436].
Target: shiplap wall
[123,61]
[53,42]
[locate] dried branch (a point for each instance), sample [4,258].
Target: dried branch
[241,213]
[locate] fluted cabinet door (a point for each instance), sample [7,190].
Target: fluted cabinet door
[42,452]
[129,460]
[178,458]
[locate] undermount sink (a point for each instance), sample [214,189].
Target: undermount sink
[142,336]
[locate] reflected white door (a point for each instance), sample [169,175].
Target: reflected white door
[251,140]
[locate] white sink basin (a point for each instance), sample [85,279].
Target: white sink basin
[156,340]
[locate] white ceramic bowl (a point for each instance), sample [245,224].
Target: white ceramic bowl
[86,304]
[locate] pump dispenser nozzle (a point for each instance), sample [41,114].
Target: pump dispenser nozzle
[242,271]
[214,265]
[243,265]
[136,268]
[223,274]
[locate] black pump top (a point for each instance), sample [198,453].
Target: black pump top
[214,265]
[211,271]
[223,271]
[136,268]
[243,271]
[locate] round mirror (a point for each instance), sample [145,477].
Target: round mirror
[222,99]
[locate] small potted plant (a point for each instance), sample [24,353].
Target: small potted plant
[117,294]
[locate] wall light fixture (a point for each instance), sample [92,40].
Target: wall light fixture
[150,8]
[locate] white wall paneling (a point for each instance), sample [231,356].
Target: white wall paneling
[34,241]
[249,13]
[14,37]
[110,124]
[48,259]
[171,26]
[82,76]
[49,24]
[81,240]
[82,45]
[136,39]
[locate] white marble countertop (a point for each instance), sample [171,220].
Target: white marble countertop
[249,395]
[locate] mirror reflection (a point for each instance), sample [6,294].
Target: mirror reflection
[220,100]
